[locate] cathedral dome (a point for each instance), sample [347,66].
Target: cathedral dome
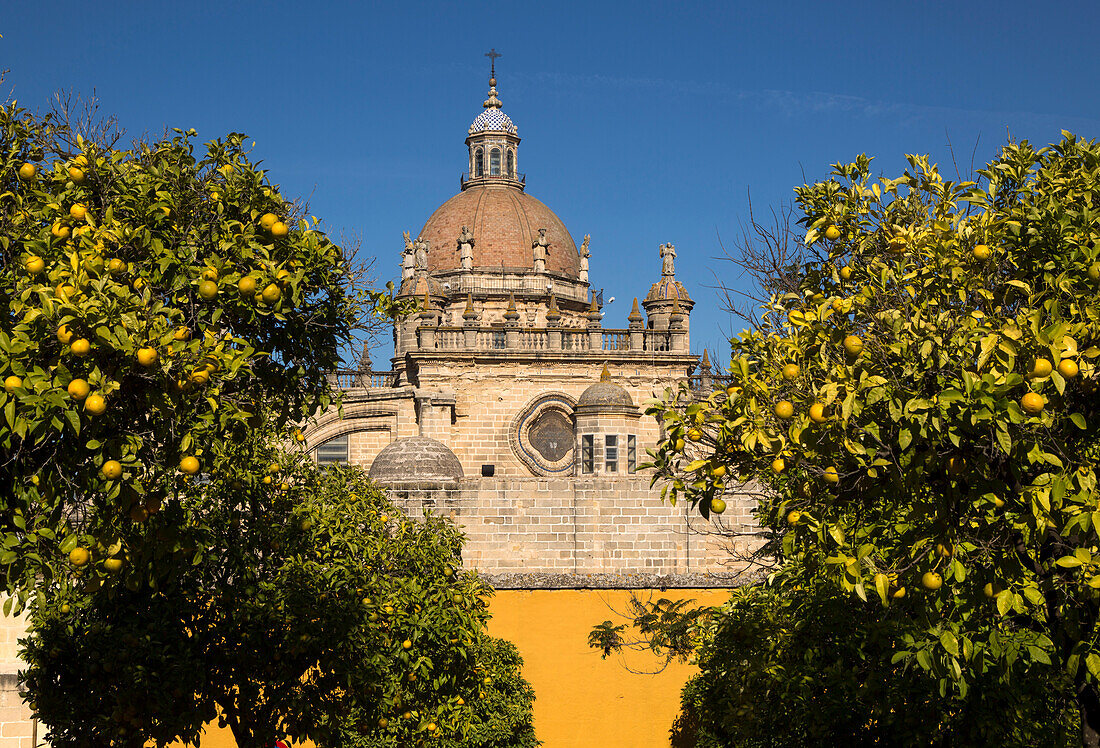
[505,222]
[415,459]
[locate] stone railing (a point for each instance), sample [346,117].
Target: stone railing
[349,379]
[535,339]
[483,284]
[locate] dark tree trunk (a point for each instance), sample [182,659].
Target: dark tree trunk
[1088,703]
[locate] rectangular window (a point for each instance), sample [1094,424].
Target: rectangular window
[631,454]
[611,453]
[588,462]
[334,450]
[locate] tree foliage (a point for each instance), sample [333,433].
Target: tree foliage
[152,300]
[313,609]
[918,405]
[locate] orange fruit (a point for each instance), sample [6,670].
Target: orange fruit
[272,293]
[778,466]
[59,230]
[832,233]
[27,172]
[1094,271]
[247,285]
[78,212]
[898,593]
[817,413]
[96,405]
[279,229]
[982,253]
[81,347]
[111,470]
[34,265]
[794,517]
[208,290]
[12,383]
[181,333]
[78,389]
[64,334]
[784,409]
[147,356]
[853,346]
[407,644]
[267,220]
[846,273]
[694,435]
[117,267]
[77,175]
[830,475]
[79,556]
[931,580]
[791,372]
[283,278]
[112,565]
[1040,368]
[189,465]
[1032,403]
[1068,368]
[717,505]
[274,467]
[210,274]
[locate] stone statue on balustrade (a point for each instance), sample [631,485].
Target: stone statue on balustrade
[542,251]
[668,260]
[585,254]
[466,249]
[422,246]
[407,258]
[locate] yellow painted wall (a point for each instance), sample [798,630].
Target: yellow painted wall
[581,700]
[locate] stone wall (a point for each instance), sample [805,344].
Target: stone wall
[16,726]
[589,532]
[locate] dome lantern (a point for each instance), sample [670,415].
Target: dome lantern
[493,142]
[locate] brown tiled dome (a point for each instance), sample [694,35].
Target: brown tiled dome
[505,222]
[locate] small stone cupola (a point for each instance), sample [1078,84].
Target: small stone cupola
[493,141]
[606,429]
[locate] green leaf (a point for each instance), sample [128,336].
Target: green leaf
[1068,562]
[950,643]
[1092,664]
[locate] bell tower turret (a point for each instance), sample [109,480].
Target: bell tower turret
[493,142]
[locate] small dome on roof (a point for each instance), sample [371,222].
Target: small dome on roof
[605,393]
[667,289]
[415,459]
[492,119]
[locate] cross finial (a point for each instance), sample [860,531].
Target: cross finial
[492,54]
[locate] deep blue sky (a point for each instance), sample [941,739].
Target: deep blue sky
[642,122]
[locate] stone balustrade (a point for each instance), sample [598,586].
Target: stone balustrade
[506,338]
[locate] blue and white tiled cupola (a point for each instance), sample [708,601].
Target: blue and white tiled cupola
[493,140]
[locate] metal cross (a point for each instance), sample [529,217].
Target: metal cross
[492,54]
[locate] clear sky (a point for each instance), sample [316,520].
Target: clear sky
[642,122]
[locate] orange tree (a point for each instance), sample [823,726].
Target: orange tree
[312,608]
[150,299]
[918,405]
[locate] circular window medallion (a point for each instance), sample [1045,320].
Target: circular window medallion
[542,434]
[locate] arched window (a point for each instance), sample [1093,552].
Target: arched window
[334,450]
[479,163]
[511,163]
[494,162]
